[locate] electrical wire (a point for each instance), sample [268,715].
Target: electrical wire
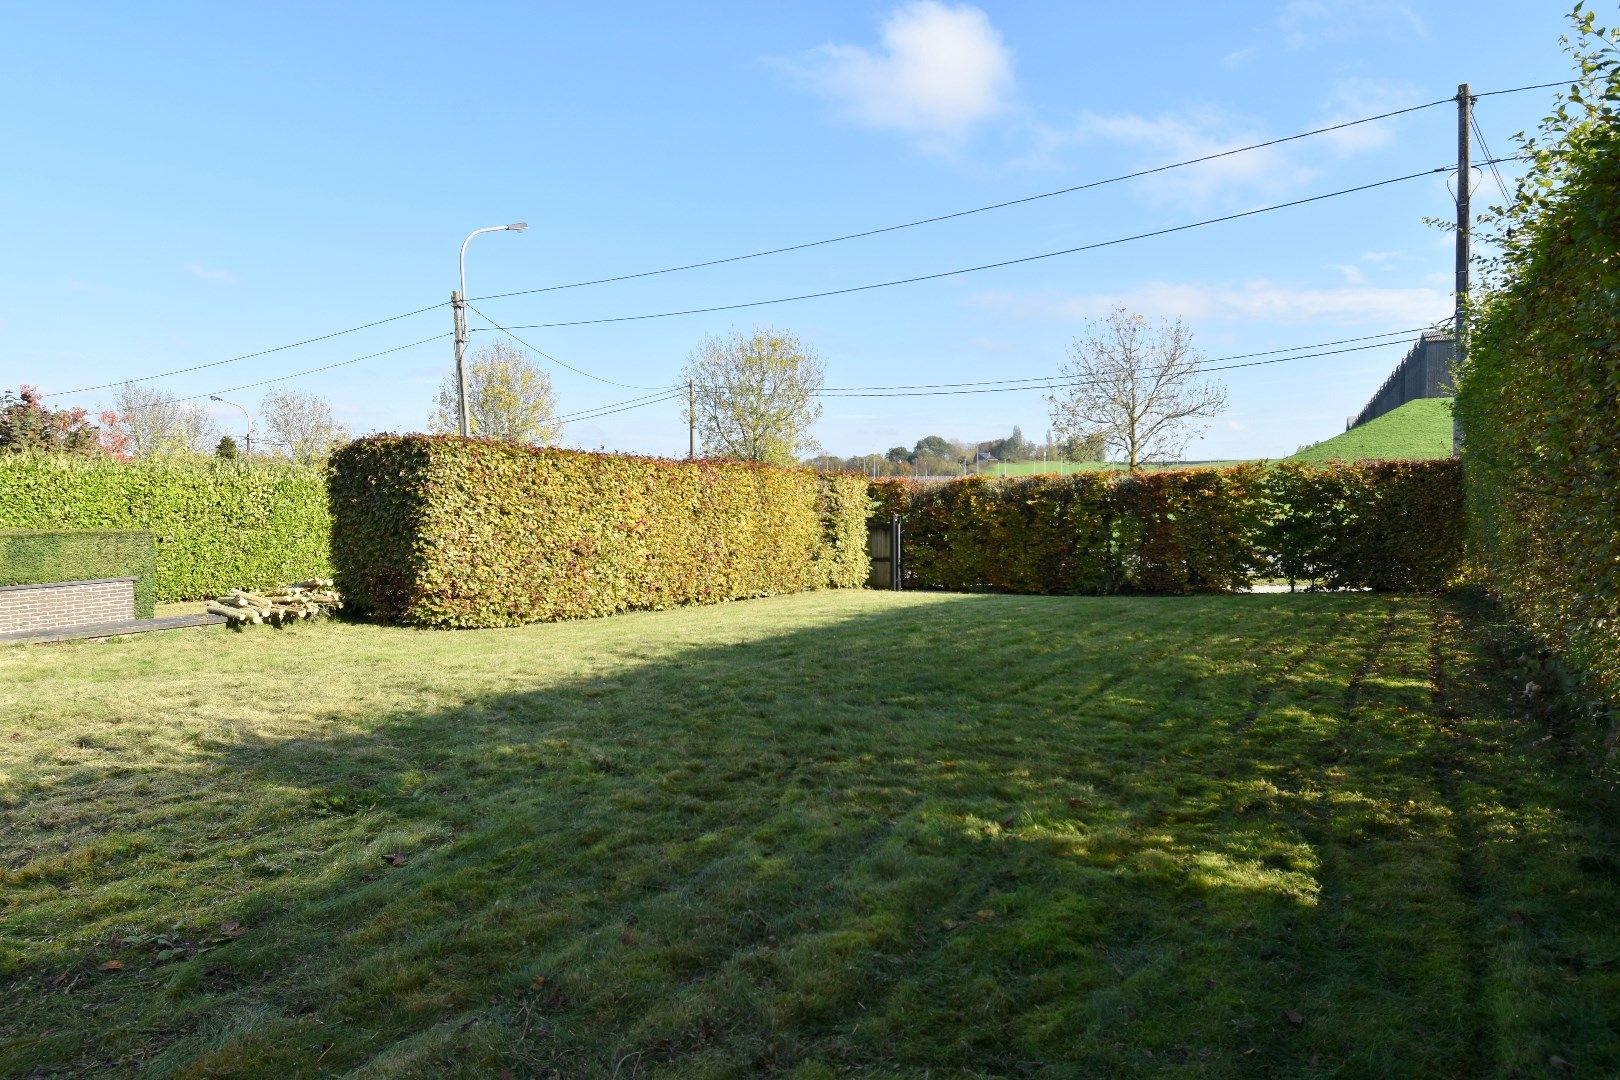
[798,247]
[616,407]
[248,356]
[968,213]
[1048,378]
[1058,382]
[578,371]
[1479,133]
[1003,205]
[986,266]
[296,374]
[1516,89]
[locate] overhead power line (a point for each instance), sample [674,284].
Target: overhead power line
[1048,378]
[785,249]
[968,213]
[617,407]
[578,371]
[1519,89]
[297,374]
[1479,133]
[989,266]
[247,356]
[1058,382]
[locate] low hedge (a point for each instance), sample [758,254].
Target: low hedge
[1379,525]
[36,557]
[450,532]
[218,525]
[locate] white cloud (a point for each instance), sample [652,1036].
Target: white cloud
[210,273]
[1253,301]
[941,70]
[1351,99]
[1184,135]
[1314,22]
[1239,57]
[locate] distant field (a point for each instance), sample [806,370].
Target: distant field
[1063,468]
[1418,429]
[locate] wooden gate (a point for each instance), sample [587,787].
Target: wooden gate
[883,544]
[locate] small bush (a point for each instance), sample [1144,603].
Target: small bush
[450,532]
[36,557]
[218,524]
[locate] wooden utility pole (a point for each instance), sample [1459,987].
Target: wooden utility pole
[691,421]
[457,303]
[1465,184]
[1465,176]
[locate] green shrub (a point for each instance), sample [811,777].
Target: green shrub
[1191,530]
[450,532]
[35,557]
[1038,534]
[1538,398]
[218,524]
[1379,525]
[1384,525]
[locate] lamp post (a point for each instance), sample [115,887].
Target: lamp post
[459,302]
[246,415]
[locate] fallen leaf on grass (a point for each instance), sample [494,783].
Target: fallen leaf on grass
[394,858]
[113,965]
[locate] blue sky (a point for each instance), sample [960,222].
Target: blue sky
[187,183]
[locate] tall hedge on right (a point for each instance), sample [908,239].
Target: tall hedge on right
[449,532]
[1539,396]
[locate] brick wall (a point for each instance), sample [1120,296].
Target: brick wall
[66,603]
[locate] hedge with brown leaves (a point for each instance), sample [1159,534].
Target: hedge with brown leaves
[450,532]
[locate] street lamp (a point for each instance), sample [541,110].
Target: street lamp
[459,300]
[246,414]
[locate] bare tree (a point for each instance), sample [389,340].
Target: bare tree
[509,398]
[301,426]
[755,396]
[158,427]
[1136,386]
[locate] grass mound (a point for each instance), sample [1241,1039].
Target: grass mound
[1418,429]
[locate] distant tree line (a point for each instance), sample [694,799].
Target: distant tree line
[935,455]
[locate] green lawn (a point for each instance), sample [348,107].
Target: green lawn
[1418,429]
[822,835]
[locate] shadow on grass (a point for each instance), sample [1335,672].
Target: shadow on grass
[995,836]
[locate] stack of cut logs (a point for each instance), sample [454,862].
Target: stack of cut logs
[304,600]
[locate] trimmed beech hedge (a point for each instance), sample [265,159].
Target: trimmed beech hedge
[218,525]
[1386,525]
[40,556]
[1539,396]
[450,532]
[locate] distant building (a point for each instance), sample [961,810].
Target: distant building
[1425,373]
